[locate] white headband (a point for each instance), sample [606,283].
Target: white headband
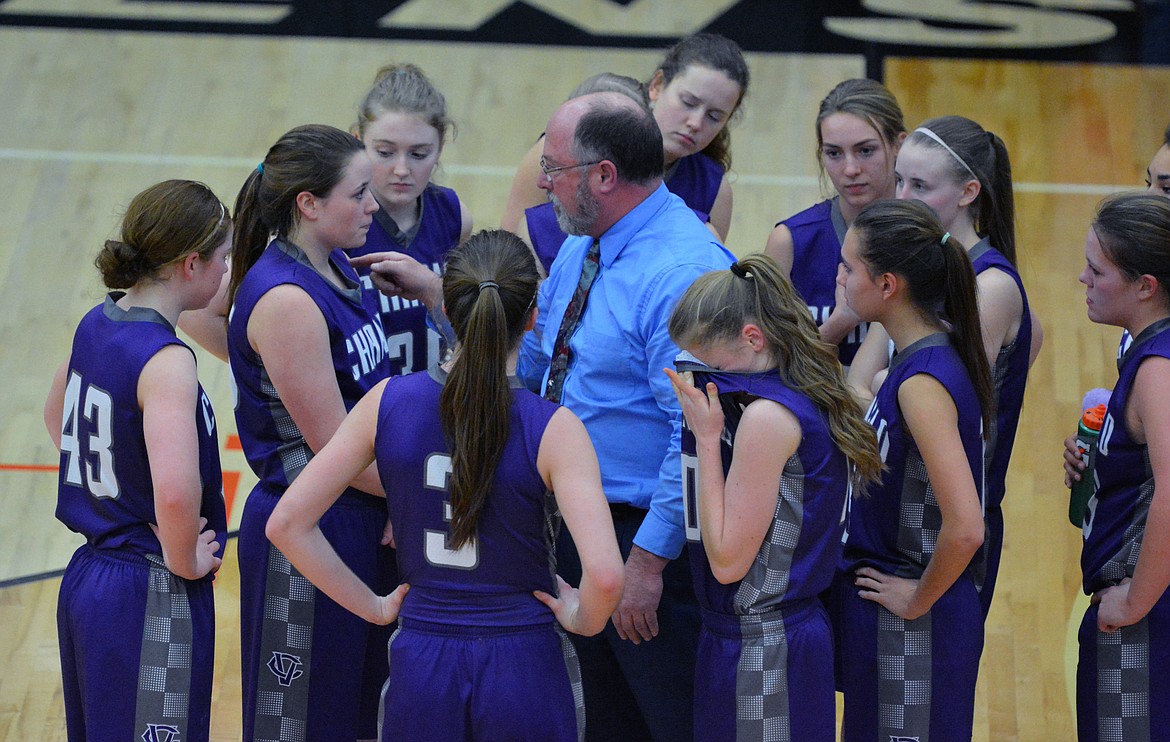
[945,146]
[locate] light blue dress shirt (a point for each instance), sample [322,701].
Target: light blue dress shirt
[615,382]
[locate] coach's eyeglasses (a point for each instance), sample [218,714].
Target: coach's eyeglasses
[548,171]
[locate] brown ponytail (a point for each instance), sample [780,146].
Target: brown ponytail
[488,289]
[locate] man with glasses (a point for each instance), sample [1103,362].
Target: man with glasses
[599,348]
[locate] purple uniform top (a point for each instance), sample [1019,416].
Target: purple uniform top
[1009,374]
[800,552]
[695,179]
[105,489]
[1115,516]
[274,445]
[488,582]
[817,235]
[412,346]
[895,527]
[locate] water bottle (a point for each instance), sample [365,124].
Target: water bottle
[1088,432]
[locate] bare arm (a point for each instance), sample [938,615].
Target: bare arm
[932,419]
[1000,309]
[841,320]
[208,326]
[293,526]
[1037,337]
[1129,603]
[397,274]
[522,233]
[168,395]
[871,359]
[465,222]
[54,411]
[524,192]
[735,513]
[288,330]
[569,467]
[781,248]
[720,216]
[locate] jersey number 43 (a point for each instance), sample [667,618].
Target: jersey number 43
[89,463]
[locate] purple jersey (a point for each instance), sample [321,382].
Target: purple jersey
[412,346]
[1009,373]
[105,488]
[488,582]
[817,234]
[1122,687]
[695,179]
[800,552]
[273,443]
[544,233]
[1115,516]
[896,526]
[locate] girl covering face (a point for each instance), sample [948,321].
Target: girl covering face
[776,444]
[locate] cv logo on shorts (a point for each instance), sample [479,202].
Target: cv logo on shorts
[160,733]
[896,738]
[286,667]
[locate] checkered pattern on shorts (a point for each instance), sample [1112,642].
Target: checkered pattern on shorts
[282,702]
[164,675]
[904,676]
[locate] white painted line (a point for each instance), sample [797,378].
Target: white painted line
[485,171]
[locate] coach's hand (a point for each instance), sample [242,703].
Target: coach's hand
[636,618]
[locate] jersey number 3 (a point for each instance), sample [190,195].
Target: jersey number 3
[438,472]
[97,476]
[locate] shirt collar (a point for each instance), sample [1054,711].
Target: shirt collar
[619,235]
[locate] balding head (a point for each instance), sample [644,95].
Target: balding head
[611,126]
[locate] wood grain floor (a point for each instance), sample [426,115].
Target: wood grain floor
[90,118]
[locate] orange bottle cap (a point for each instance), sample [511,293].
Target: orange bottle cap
[1094,417]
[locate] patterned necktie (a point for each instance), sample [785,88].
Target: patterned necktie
[559,365]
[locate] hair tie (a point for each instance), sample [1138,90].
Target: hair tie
[485,284]
[740,271]
[260,168]
[944,239]
[947,147]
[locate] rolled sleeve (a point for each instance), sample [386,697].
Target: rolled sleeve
[663,532]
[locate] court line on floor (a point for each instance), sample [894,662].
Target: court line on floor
[54,573]
[29,467]
[488,171]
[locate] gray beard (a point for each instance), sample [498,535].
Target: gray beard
[588,209]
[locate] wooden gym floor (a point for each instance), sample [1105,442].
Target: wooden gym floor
[92,117]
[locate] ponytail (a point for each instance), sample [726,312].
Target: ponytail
[973,151]
[998,216]
[961,309]
[904,237]
[249,237]
[717,306]
[310,158]
[488,289]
